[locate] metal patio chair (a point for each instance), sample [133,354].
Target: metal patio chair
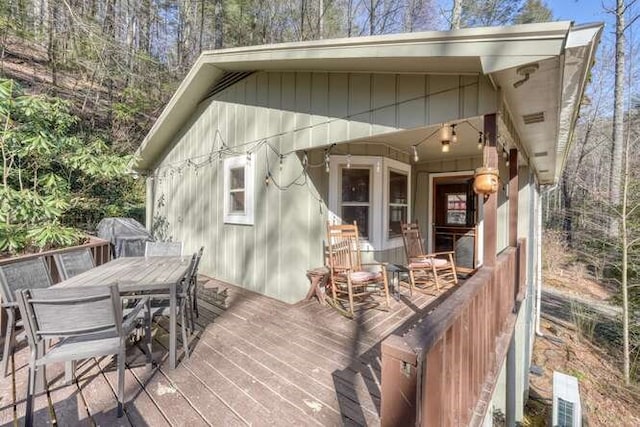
[351,282]
[72,263]
[163,249]
[426,269]
[31,273]
[92,326]
[159,304]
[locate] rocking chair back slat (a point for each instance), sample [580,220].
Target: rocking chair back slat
[412,239]
[349,283]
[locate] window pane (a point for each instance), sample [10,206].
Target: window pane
[360,214]
[457,209]
[237,202]
[397,215]
[398,188]
[237,178]
[355,185]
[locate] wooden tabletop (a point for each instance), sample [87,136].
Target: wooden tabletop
[133,274]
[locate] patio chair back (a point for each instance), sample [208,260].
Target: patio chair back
[31,273]
[73,263]
[163,249]
[412,238]
[87,310]
[344,246]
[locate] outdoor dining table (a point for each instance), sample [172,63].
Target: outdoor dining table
[139,275]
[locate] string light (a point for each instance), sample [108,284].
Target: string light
[267,179]
[454,135]
[415,153]
[348,161]
[480,141]
[378,166]
[305,159]
[281,162]
[445,146]
[326,161]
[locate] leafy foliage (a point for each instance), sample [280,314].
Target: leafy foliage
[49,170]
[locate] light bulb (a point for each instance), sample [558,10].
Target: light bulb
[348,161]
[480,143]
[378,166]
[281,162]
[507,163]
[267,179]
[415,154]
[504,154]
[454,135]
[326,162]
[305,159]
[445,146]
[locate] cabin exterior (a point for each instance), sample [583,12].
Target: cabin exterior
[261,146]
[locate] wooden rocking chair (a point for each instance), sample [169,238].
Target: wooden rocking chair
[425,270]
[350,282]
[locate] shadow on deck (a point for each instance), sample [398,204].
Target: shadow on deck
[254,361]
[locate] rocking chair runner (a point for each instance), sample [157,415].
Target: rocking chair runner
[350,283]
[426,269]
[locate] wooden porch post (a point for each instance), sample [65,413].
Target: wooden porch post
[513,197]
[490,207]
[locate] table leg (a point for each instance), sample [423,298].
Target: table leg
[172,326]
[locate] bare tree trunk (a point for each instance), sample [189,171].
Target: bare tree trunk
[625,268]
[618,119]
[218,13]
[456,14]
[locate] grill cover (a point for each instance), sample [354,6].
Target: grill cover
[127,236]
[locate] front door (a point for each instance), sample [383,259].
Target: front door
[455,218]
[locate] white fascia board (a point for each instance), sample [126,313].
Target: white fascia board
[578,59]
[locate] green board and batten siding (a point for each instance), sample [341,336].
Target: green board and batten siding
[294,111]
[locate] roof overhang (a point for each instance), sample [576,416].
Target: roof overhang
[487,51]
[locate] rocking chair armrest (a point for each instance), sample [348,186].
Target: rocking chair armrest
[443,253]
[9,305]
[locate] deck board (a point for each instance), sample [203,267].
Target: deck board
[254,361]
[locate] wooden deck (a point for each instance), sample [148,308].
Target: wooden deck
[255,361]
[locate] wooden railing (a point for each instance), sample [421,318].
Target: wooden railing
[100,249]
[441,372]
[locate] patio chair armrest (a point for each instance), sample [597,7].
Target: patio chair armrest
[130,321]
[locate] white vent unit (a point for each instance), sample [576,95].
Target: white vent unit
[567,411]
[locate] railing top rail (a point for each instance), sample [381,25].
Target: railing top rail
[436,324]
[92,243]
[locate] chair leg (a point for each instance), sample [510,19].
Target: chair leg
[31,387]
[121,360]
[192,323]
[147,331]
[8,340]
[386,288]
[435,277]
[185,341]
[195,298]
[350,290]
[69,369]
[412,282]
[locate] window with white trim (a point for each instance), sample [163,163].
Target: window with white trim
[398,202]
[374,192]
[355,203]
[238,190]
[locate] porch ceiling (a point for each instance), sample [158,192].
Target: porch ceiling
[429,143]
